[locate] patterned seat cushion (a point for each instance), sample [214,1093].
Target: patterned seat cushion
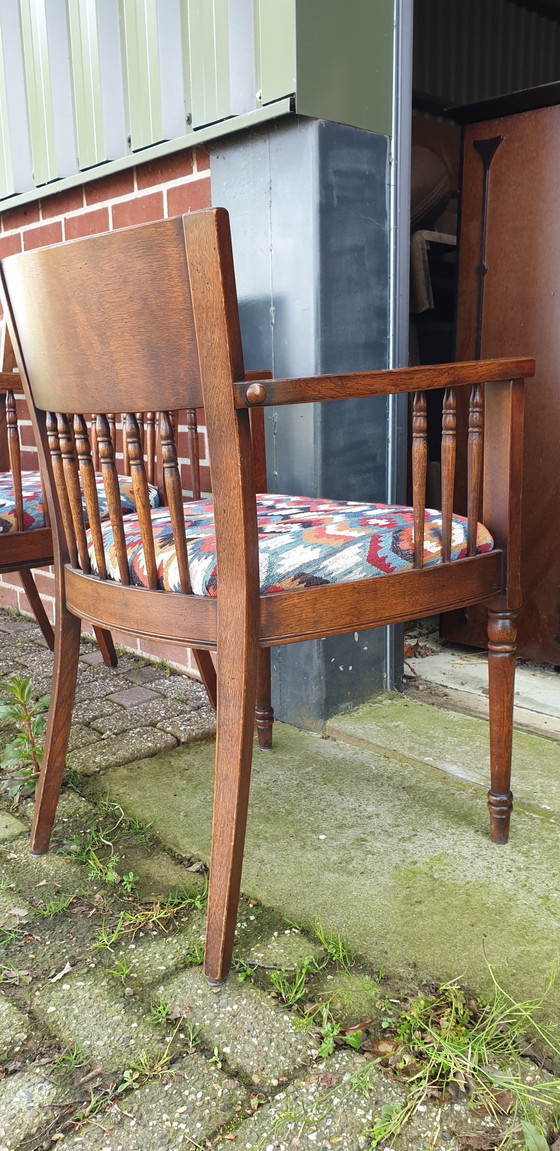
[302,543]
[33,500]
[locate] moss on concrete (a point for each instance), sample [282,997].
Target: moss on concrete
[395,858]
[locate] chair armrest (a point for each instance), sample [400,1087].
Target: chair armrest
[263,392]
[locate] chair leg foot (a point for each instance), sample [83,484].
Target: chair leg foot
[67,650]
[500,808]
[502,636]
[264,712]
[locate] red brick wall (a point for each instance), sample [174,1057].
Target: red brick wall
[152,191]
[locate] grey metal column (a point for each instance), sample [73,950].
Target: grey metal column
[309,206]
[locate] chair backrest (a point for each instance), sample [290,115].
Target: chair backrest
[126,323]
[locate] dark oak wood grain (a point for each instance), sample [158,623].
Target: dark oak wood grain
[318,389]
[448,464]
[419,473]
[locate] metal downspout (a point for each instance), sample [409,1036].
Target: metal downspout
[399,264]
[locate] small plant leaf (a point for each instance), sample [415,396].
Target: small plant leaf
[534,1139]
[353,1039]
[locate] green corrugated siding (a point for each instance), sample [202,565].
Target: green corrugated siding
[336,58]
[6,167]
[141,66]
[86,81]
[38,88]
[209,60]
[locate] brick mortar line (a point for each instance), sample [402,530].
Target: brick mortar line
[128,197]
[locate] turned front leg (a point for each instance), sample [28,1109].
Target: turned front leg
[502,636]
[264,712]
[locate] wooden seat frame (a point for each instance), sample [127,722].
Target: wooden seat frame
[116,321]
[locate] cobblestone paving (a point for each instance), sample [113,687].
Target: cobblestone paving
[110,1038]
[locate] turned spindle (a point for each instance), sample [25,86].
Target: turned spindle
[419,472]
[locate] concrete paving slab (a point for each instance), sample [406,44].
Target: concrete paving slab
[10,827]
[153,711]
[285,948]
[407,871]
[249,1031]
[120,749]
[333,1105]
[197,725]
[93,708]
[156,874]
[536,690]
[338,1102]
[81,735]
[14,1029]
[33,874]
[182,688]
[133,696]
[153,956]
[178,1111]
[87,1009]
[457,744]
[471,703]
[27,1104]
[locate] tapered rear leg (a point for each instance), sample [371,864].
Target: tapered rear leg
[264,713]
[36,605]
[67,650]
[234,746]
[205,665]
[502,646]
[106,646]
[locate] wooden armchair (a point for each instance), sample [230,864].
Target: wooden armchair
[118,320]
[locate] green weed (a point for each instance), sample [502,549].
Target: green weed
[243,970]
[159,1011]
[56,906]
[449,1043]
[147,1066]
[23,756]
[7,936]
[155,916]
[121,970]
[291,986]
[336,947]
[191,1033]
[195,955]
[73,1057]
[129,882]
[129,1081]
[96,850]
